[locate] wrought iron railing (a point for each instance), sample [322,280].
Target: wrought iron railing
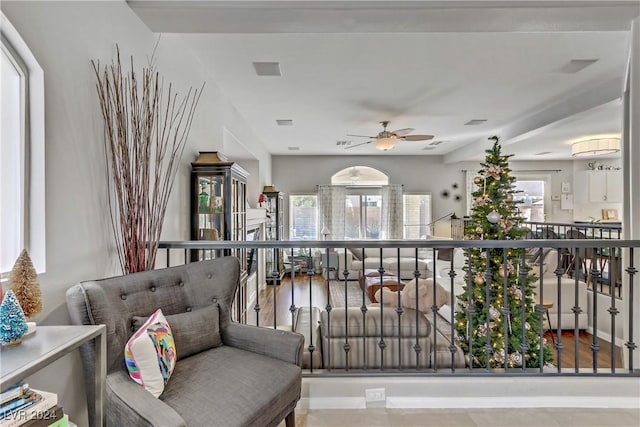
[346,333]
[574,230]
[554,230]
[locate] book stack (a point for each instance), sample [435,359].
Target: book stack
[23,406]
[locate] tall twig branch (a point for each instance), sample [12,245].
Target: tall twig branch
[145,134]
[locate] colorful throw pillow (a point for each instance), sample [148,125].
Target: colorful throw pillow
[150,354]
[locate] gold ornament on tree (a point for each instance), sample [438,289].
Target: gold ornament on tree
[505,224]
[479,279]
[482,200]
[24,284]
[494,171]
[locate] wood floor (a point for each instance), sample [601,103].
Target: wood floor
[585,353]
[276,301]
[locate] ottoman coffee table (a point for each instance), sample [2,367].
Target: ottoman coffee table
[370,282]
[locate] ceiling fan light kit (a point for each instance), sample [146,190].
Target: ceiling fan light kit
[385,144]
[386,140]
[595,147]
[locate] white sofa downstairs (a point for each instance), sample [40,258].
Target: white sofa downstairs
[398,261]
[550,289]
[567,286]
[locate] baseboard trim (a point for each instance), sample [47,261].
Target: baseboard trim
[606,336]
[449,392]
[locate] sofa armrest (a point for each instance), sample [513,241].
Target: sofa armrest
[283,345]
[342,265]
[129,404]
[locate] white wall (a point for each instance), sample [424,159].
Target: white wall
[300,174]
[64,37]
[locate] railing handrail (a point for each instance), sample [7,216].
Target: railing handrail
[575,301]
[396,244]
[577,225]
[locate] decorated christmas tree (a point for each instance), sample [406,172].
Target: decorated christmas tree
[24,283]
[490,328]
[13,324]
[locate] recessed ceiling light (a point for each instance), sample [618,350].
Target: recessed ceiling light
[475,122]
[267,69]
[293,148]
[284,122]
[343,143]
[576,65]
[542,153]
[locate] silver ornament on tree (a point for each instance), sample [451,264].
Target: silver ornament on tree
[493,217]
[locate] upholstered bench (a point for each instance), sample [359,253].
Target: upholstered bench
[307,323]
[364,333]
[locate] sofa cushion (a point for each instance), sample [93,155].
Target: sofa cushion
[405,264]
[150,354]
[390,252]
[203,383]
[549,263]
[193,331]
[357,253]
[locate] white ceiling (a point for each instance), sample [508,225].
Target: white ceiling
[432,66]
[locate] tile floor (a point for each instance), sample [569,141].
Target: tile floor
[521,417]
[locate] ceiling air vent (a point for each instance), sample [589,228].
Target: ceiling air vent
[283,122]
[542,153]
[475,122]
[293,148]
[267,69]
[435,143]
[576,65]
[343,143]
[427,148]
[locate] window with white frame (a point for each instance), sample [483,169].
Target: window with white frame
[303,217]
[417,216]
[530,194]
[21,152]
[363,213]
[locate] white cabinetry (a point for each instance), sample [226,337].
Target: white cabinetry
[598,186]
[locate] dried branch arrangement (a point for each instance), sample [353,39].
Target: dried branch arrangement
[145,132]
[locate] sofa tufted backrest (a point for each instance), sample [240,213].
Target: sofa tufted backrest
[390,252]
[115,301]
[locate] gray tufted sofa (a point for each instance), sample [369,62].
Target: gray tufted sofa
[252,379]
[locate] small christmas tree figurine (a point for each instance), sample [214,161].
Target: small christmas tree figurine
[13,324]
[498,325]
[24,283]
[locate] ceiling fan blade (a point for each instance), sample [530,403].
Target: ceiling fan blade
[357,145]
[403,132]
[361,136]
[416,137]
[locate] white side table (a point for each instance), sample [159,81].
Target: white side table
[50,343]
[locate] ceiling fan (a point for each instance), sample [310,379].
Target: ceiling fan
[386,140]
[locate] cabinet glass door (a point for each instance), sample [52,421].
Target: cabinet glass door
[211,224]
[273,231]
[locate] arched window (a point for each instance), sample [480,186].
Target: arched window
[359,176]
[22,216]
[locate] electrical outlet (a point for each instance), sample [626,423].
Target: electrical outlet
[375,395]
